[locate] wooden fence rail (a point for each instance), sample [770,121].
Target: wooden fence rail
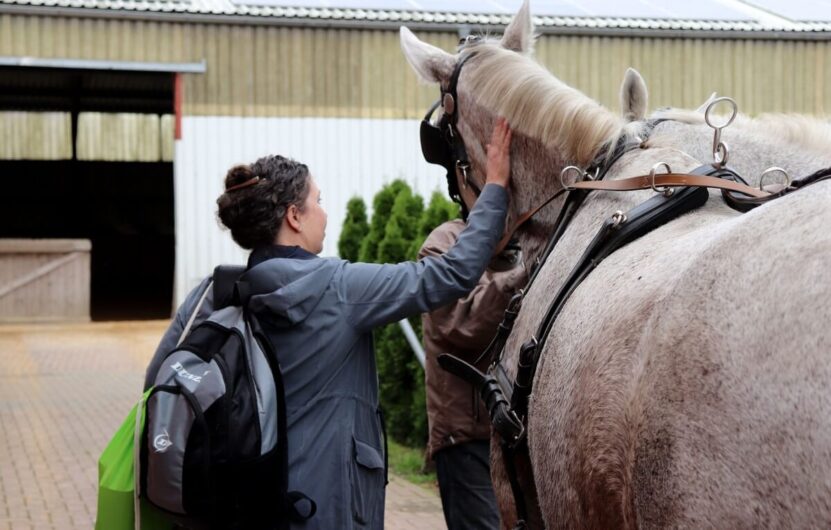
[44,280]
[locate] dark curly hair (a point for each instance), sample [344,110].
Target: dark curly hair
[255,212]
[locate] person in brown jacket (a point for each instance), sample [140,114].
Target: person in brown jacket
[459,439]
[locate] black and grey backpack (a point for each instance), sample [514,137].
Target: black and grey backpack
[213,451]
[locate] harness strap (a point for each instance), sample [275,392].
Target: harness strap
[670,180]
[497,343]
[503,419]
[745,204]
[521,220]
[748,199]
[508,457]
[616,231]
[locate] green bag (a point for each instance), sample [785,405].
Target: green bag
[117,480]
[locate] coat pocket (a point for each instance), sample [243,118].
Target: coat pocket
[367,483]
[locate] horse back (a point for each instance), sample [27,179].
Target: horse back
[693,361]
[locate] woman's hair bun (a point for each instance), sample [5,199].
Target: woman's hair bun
[238,175]
[254,208]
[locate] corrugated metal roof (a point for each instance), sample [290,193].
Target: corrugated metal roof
[709,16]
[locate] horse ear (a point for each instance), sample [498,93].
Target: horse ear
[633,96]
[519,35]
[431,64]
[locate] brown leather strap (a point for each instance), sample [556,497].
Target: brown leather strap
[642,182]
[520,221]
[672,180]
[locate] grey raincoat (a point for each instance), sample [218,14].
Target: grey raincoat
[319,314]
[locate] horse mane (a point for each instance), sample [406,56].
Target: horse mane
[808,132]
[537,104]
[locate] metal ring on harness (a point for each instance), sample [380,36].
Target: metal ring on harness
[713,105]
[464,167]
[570,169]
[666,191]
[720,154]
[618,218]
[720,149]
[771,171]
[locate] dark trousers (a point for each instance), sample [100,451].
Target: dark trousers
[467,495]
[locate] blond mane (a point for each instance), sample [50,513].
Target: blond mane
[538,105]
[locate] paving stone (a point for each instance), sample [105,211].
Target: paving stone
[64,390]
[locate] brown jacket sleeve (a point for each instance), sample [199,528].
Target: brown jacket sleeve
[466,326]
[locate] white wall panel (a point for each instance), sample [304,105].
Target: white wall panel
[347,157]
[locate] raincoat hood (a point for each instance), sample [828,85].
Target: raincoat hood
[300,286]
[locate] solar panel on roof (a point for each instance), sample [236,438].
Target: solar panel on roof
[799,10]
[645,9]
[665,9]
[459,6]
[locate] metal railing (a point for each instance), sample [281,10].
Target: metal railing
[412,338]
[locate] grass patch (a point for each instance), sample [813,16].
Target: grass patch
[408,463]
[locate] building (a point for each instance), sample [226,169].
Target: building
[119,118]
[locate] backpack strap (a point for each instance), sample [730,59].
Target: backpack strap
[193,315]
[224,280]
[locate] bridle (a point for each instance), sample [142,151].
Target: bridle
[442,144]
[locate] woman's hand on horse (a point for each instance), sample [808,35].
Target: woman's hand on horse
[499,154]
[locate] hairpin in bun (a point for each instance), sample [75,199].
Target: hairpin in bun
[249,182]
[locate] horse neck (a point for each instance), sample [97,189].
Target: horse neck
[535,170]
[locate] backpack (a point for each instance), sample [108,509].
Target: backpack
[213,450]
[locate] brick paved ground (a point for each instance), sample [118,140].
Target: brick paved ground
[63,391]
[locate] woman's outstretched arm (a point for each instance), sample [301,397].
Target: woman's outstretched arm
[379,294]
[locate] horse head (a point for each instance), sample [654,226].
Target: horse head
[554,125]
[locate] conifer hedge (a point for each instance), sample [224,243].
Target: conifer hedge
[398,227]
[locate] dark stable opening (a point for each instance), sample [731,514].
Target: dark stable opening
[124,208]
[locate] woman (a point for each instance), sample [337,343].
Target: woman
[320,313]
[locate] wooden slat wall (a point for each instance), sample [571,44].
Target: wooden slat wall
[35,135]
[280,71]
[60,295]
[763,76]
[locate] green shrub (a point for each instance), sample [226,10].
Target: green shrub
[354,231]
[397,378]
[398,227]
[440,210]
[381,210]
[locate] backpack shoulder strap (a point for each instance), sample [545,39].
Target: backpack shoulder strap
[192,318]
[224,284]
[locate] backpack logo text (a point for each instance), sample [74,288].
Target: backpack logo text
[184,374]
